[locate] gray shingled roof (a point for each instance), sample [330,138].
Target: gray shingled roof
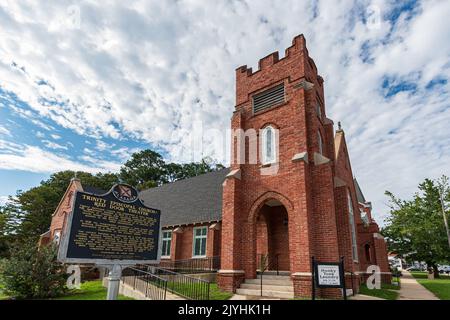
[93,190]
[193,200]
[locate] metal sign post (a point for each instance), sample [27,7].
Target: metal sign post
[114,276]
[115,273]
[313,287]
[344,288]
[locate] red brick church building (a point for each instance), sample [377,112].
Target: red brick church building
[295,199]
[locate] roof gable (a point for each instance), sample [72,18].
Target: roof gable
[359,193]
[341,152]
[75,184]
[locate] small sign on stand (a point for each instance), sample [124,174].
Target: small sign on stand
[328,275]
[114,230]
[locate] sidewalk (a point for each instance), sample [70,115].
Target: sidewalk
[363,297]
[411,290]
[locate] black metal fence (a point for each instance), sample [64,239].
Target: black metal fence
[183,285]
[200,265]
[150,285]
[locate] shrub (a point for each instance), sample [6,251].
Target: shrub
[33,273]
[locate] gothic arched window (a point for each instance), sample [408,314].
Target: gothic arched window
[367,252]
[351,217]
[268,145]
[319,139]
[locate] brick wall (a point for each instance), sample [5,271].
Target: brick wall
[304,189]
[315,203]
[182,241]
[62,212]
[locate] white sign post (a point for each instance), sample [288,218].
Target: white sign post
[115,273]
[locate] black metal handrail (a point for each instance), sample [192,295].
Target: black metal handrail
[191,266]
[183,285]
[147,283]
[265,265]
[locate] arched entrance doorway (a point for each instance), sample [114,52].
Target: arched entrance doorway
[272,237]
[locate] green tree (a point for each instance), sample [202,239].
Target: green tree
[31,210]
[415,228]
[147,169]
[444,197]
[176,171]
[144,170]
[4,232]
[173,172]
[33,273]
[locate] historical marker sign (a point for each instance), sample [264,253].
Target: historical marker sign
[114,228]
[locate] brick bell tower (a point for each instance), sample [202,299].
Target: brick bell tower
[278,199]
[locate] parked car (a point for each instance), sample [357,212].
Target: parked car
[414,269]
[444,269]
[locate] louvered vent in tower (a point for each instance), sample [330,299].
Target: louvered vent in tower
[268,98]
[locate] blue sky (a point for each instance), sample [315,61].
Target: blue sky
[23,129]
[84,85]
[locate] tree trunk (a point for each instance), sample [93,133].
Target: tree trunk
[435,271]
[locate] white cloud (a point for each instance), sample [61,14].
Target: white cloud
[55,136]
[4,131]
[3,200]
[53,145]
[124,153]
[151,69]
[104,165]
[34,159]
[103,146]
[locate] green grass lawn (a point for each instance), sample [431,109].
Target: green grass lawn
[2,295]
[216,294]
[90,290]
[189,291]
[440,286]
[94,290]
[387,291]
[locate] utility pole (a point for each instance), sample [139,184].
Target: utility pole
[442,188]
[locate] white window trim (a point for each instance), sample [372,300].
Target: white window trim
[170,251]
[264,159]
[351,216]
[201,237]
[57,237]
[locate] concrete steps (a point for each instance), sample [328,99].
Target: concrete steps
[269,282]
[274,273]
[273,286]
[266,293]
[273,277]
